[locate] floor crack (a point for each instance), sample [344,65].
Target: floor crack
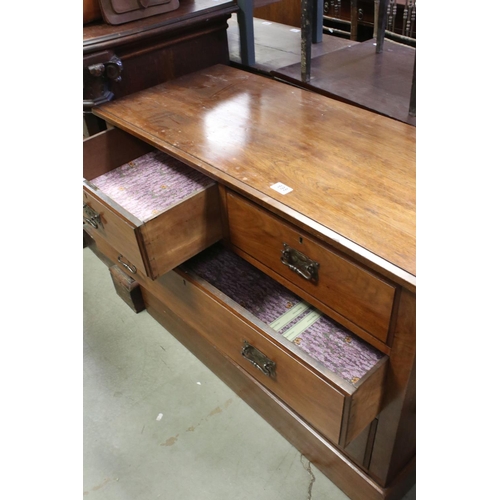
[313,478]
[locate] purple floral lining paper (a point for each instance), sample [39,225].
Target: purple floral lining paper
[326,341]
[150,184]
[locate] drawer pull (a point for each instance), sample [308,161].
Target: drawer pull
[259,360]
[91,222]
[300,263]
[128,267]
[91,217]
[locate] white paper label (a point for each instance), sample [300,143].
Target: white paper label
[281,188]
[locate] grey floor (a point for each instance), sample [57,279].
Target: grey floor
[158,424]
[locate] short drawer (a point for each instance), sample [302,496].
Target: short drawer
[333,379]
[156,211]
[355,293]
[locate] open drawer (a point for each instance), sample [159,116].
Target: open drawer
[355,296]
[154,210]
[321,370]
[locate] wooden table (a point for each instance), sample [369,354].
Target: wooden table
[319,197]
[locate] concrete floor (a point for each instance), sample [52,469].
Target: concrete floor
[158,424]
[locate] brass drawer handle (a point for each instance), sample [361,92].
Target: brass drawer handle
[258,359]
[92,223]
[91,217]
[300,263]
[130,268]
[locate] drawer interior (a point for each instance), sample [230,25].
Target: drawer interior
[150,184]
[318,336]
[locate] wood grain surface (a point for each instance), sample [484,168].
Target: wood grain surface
[185,230]
[352,172]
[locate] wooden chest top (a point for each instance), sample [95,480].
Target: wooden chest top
[351,172]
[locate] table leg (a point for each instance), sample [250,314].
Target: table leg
[381,25]
[247,39]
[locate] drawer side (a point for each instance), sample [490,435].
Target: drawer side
[189,228]
[365,403]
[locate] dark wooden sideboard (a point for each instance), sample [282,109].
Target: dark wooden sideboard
[290,212]
[120,60]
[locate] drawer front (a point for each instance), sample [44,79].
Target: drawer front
[318,401]
[117,231]
[350,290]
[113,256]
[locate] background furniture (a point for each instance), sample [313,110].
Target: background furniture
[352,19]
[120,60]
[358,75]
[276,45]
[380,78]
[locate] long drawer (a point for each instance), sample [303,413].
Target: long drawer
[353,292]
[333,379]
[154,210]
[330,377]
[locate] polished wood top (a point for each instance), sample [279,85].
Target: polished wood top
[352,171]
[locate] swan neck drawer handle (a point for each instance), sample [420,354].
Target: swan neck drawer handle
[258,359]
[300,263]
[128,267]
[91,217]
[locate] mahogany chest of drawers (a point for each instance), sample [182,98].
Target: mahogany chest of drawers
[272,231]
